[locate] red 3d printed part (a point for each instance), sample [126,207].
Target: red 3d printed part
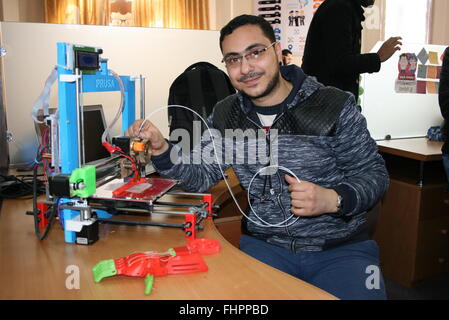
[144,188]
[43,220]
[178,260]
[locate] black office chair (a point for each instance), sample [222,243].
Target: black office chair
[372,217]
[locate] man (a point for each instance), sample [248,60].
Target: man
[332,52]
[287,57]
[314,228]
[443,97]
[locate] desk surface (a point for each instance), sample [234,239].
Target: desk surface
[415,148]
[33,269]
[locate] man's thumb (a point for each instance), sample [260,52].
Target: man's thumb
[290,179]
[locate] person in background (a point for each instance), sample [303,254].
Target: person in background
[443,98]
[332,51]
[314,228]
[287,57]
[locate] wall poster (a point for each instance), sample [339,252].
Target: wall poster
[419,72]
[290,20]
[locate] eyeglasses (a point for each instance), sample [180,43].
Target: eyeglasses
[232,60]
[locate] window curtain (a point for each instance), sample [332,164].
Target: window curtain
[184,14]
[77,11]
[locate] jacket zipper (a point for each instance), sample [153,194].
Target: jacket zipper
[280,209]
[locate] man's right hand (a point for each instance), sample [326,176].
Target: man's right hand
[388,48]
[149,132]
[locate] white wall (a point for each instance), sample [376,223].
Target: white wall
[399,115]
[222,11]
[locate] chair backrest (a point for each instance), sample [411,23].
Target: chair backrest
[372,217]
[199,87]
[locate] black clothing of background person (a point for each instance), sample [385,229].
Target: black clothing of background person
[443,97]
[333,46]
[332,51]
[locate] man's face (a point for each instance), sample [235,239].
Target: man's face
[256,78]
[287,59]
[367,3]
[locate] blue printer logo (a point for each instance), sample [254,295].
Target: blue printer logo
[104,84]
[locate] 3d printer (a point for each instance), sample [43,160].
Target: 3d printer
[85,194]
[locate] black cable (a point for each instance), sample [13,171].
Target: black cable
[18,187]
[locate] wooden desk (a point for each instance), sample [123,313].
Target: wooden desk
[412,231]
[32,269]
[415,148]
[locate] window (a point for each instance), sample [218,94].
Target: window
[408,19]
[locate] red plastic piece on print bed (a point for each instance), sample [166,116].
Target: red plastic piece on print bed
[144,188]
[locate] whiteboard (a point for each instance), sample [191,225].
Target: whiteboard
[157,54]
[400,115]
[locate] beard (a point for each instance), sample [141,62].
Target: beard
[367,3]
[273,83]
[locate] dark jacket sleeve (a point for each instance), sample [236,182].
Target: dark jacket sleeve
[366,177]
[338,32]
[198,170]
[443,94]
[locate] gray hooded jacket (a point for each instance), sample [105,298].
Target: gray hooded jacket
[319,135]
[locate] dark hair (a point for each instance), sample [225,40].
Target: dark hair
[286,52]
[244,20]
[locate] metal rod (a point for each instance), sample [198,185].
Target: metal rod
[175,193]
[104,171]
[142,223]
[107,179]
[77,88]
[107,161]
[141,210]
[181,205]
[79,117]
[142,97]
[171,212]
[54,129]
[81,101]
[101,207]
